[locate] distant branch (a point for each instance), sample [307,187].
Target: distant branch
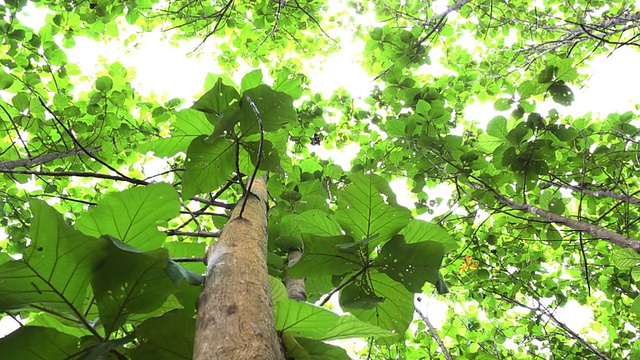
[78,144]
[434,333]
[39,160]
[596,231]
[600,193]
[74,173]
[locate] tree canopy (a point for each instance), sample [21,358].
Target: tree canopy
[110,197]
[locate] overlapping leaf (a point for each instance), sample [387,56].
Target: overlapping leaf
[420,230]
[275,108]
[310,321]
[323,257]
[55,268]
[411,264]
[208,165]
[363,212]
[132,215]
[130,282]
[394,310]
[35,342]
[188,125]
[169,336]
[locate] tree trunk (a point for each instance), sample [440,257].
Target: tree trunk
[235,313]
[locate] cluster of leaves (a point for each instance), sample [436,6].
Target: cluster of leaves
[539,198]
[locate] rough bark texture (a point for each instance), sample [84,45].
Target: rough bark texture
[235,314]
[296,288]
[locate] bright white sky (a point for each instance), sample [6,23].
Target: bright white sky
[613,86]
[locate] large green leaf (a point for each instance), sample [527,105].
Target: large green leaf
[323,257]
[55,268]
[363,213]
[275,109]
[133,215]
[219,98]
[310,321]
[394,311]
[411,264]
[208,165]
[167,337]
[316,222]
[37,343]
[311,349]
[130,282]
[420,230]
[188,125]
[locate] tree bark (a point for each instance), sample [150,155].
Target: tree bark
[296,288]
[235,313]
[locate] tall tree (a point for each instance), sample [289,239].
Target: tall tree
[103,253]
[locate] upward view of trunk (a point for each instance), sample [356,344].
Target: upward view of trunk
[235,314]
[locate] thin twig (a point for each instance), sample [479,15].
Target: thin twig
[255,170]
[434,333]
[74,173]
[343,284]
[78,144]
[202,234]
[188,259]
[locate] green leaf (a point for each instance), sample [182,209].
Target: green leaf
[6,80]
[362,211]
[278,290]
[132,216]
[104,84]
[310,321]
[411,264]
[275,109]
[635,273]
[527,88]
[625,259]
[208,165]
[395,311]
[497,127]
[502,104]
[20,101]
[635,306]
[188,125]
[423,108]
[129,282]
[219,98]
[561,93]
[318,350]
[288,84]
[419,230]
[564,133]
[170,336]
[55,269]
[316,222]
[37,343]
[251,80]
[322,257]
[546,75]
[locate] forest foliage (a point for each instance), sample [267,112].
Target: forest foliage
[98,239]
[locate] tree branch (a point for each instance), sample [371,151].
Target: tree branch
[74,173]
[596,231]
[41,159]
[434,333]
